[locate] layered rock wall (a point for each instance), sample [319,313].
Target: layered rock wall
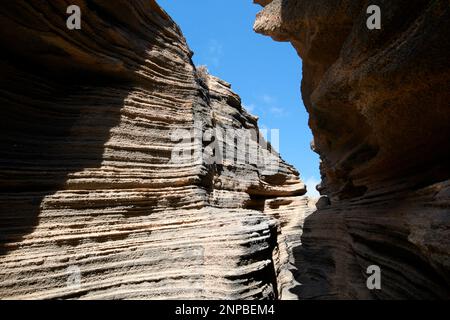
[379,110]
[93,203]
[110,190]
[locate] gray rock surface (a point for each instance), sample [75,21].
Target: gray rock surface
[93,205]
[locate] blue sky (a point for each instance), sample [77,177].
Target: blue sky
[266,74]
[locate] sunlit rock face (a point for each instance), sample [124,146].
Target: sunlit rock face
[379,110]
[104,192]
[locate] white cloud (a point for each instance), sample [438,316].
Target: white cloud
[215,52]
[277,111]
[268,99]
[311,184]
[249,107]
[271,106]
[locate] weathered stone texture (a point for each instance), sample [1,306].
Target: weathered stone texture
[86,173]
[379,110]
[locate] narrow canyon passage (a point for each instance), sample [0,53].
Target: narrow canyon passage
[108,190]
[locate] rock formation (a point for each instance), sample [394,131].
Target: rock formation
[92,203]
[379,110]
[126,172]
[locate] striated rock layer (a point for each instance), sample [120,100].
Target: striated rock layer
[93,204]
[379,109]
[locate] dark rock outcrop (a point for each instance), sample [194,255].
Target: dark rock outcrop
[93,203]
[379,110]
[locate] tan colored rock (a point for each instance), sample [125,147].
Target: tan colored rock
[92,204]
[379,112]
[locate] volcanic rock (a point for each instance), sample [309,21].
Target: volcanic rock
[93,204]
[378,102]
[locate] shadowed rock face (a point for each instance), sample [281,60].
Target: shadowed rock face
[92,204]
[379,111]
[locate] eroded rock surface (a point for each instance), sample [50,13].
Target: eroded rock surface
[92,205]
[379,110]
